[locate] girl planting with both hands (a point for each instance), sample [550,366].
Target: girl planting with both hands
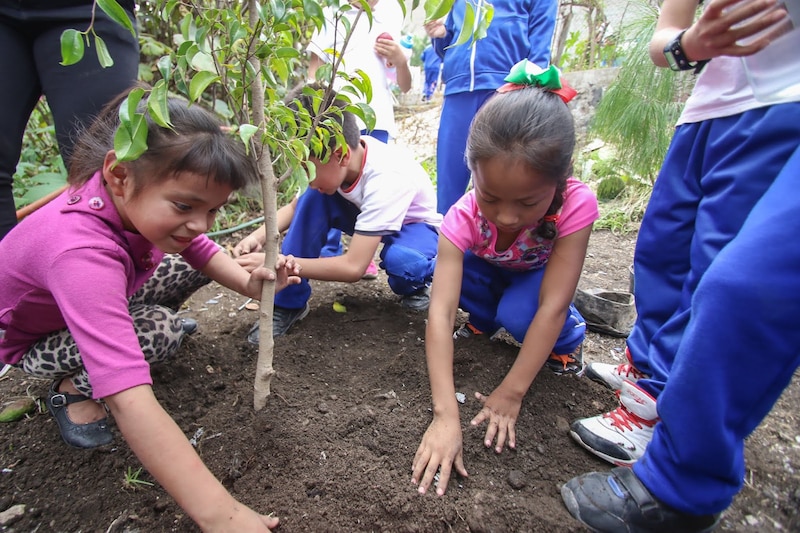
[90,299]
[510,254]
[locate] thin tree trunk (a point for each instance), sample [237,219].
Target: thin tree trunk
[563,34]
[266,345]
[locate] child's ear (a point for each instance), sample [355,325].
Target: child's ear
[115,173]
[343,156]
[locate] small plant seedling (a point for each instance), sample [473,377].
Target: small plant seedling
[133,480]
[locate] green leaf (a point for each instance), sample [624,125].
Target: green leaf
[281,69]
[117,14]
[127,109]
[103,56]
[203,62]
[313,10]
[71,47]
[486,16]
[157,105]
[466,28]
[246,132]
[222,109]
[436,9]
[286,52]
[131,143]
[199,83]
[164,65]
[364,112]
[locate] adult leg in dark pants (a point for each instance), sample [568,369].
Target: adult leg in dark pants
[31,43]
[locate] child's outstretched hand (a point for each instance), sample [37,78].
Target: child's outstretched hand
[250,261]
[287,272]
[501,410]
[726,24]
[248,245]
[439,451]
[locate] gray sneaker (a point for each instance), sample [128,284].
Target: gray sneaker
[282,320]
[619,501]
[418,300]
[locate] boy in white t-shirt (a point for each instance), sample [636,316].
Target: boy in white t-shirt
[373,191]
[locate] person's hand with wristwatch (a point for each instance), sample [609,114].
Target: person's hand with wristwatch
[677,58]
[726,27]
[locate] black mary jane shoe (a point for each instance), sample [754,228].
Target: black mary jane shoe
[188,325]
[85,436]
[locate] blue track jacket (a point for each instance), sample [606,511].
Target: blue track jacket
[520,29]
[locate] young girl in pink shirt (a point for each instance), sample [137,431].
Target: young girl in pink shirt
[90,299]
[510,254]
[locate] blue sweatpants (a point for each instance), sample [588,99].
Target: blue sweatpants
[452,173]
[408,256]
[496,297]
[716,289]
[431,81]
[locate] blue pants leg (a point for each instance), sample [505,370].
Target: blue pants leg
[316,213]
[714,173]
[409,257]
[495,297]
[333,244]
[431,80]
[452,174]
[738,354]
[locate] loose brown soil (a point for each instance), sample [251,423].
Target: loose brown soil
[332,450]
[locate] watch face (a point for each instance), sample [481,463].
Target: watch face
[671,61]
[673,52]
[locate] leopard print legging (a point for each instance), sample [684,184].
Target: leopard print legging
[154,310]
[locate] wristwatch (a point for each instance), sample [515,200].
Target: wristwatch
[676,57]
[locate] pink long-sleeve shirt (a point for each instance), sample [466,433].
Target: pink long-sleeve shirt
[71,264]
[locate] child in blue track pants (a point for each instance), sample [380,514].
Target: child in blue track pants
[407,255]
[371,190]
[715,342]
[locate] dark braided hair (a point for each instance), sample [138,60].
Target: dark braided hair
[535,126]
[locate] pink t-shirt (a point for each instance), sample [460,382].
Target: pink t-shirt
[71,264]
[466,227]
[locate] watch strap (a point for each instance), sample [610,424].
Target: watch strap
[676,57]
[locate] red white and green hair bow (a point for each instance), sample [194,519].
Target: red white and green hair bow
[527,74]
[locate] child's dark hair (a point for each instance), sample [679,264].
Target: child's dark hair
[533,125]
[329,106]
[195,143]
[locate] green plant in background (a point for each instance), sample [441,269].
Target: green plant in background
[133,479]
[622,195]
[638,112]
[429,164]
[623,213]
[40,170]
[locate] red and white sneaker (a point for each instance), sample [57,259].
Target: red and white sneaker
[612,376]
[620,436]
[371,272]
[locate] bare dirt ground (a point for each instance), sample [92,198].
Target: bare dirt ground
[332,449]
